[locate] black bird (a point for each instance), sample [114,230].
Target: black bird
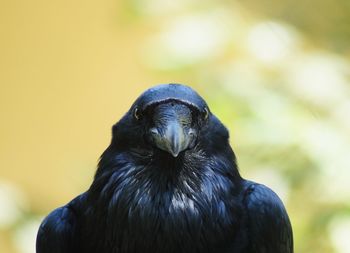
[167,183]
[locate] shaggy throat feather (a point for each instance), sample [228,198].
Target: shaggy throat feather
[146,206]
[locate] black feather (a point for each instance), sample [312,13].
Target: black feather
[143,199]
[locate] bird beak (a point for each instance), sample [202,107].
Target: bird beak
[174,138]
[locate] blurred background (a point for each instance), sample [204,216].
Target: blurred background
[277,73]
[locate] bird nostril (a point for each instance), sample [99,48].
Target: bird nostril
[154,131]
[191,132]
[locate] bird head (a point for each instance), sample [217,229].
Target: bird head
[167,118]
[169,122]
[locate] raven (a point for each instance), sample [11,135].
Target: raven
[169,182]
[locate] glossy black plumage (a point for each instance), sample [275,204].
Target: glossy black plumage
[147,198]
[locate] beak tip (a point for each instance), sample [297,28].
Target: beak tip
[175,154]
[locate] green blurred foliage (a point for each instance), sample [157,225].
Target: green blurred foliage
[275,72]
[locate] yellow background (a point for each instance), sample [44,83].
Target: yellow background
[70,69]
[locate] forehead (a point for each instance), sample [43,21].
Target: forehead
[172,108]
[170,92]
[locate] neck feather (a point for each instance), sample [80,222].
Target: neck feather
[194,196]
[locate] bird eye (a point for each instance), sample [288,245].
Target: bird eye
[137,113]
[206,113]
